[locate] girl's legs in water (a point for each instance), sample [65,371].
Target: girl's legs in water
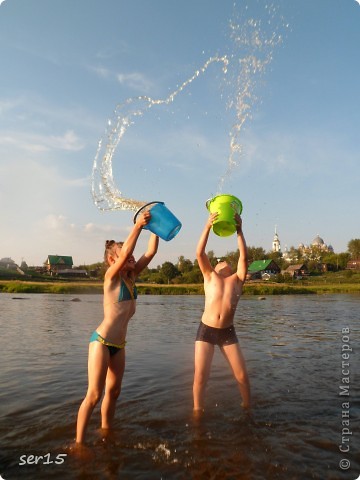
[114,378]
[98,362]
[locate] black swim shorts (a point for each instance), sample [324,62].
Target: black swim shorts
[216,336]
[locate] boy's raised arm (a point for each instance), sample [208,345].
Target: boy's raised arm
[202,258]
[242,266]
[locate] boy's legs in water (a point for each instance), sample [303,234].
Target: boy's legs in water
[204,353]
[237,363]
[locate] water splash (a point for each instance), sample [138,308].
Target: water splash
[253,50]
[242,69]
[104,191]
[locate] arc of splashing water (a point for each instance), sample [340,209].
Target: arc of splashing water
[247,37]
[104,191]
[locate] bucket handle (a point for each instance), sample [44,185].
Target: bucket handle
[144,206]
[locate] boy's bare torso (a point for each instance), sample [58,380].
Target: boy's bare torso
[221,298]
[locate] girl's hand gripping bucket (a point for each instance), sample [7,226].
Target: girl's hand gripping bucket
[226,206]
[163,223]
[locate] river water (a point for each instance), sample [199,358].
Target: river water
[303,425]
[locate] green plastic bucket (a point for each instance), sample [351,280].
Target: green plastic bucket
[226,206]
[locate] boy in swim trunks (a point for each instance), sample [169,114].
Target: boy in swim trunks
[106,362]
[222,292]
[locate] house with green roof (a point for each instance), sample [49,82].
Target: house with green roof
[260,268]
[57,263]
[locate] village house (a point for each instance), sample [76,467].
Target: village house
[63,265]
[262,269]
[296,271]
[8,263]
[353,265]
[57,263]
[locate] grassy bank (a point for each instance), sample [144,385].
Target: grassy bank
[17,286]
[251,288]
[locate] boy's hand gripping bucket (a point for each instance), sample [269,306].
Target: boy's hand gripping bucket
[226,206]
[163,223]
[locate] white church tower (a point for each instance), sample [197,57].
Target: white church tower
[276,247]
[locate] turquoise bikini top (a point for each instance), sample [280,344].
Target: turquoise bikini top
[128,291]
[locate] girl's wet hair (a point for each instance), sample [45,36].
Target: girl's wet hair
[109,246]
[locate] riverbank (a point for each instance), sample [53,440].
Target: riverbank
[251,288]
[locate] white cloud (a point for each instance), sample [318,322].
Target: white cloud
[101,72]
[8,105]
[136,81]
[55,222]
[93,228]
[98,229]
[305,153]
[31,113]
[78,182]
[26,186]
[34,143]
[68,141]
[113,51]
[61,224]
[58,234]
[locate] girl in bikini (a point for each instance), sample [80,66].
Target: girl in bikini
[106,362]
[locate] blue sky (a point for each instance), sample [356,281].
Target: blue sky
[65,66]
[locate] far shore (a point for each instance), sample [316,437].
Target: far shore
[250,288]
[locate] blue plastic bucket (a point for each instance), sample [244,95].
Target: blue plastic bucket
[226,206]
[163,223]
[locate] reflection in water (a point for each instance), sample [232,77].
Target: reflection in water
[293,350]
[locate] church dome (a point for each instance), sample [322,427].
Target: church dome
[318,241]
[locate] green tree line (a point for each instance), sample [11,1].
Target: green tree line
[186,271]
